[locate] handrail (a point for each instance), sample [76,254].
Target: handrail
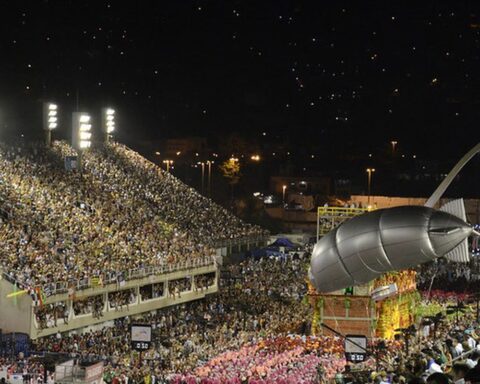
[341,211]
[462,355]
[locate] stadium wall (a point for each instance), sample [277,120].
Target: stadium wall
[15,312]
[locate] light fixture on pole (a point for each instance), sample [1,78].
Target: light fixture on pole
[50,121]
[369,173]
[202,164]
[394,144]
[168,163]
[81,133]
[284,188]
[108,122]
[209,180]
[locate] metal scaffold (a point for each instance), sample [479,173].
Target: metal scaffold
[331,217]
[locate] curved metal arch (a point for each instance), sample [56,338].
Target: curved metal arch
[453,173]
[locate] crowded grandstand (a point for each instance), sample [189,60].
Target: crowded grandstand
[253,322]
[257,330]
[121,212]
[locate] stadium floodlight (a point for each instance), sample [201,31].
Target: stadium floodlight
[50,120]
[81,130]
[108,122]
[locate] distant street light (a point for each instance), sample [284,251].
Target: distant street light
[50,121]
[255,157]
[209,182]
[168,163]
[202,164]
[209,177]
[369,172]
[394,144]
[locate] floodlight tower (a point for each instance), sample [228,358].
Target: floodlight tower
[50,121]
[81,133]
[108,122]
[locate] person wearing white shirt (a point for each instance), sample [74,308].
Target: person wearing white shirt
[458,346]
[426,330]
[472,361]
[434,367]
[471,342]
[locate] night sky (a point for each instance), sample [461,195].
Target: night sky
[332,76]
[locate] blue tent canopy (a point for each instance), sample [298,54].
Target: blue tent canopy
[283,242]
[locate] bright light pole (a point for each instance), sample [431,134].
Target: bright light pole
[284,188]
[168,163]
[50,121]
[394,144]
[108,122]
[81,133]
[369,172]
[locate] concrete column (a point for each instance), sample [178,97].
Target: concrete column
[193,285]
[137,291]
[107,303]
[70,309]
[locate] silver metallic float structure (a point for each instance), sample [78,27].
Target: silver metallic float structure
[366,246]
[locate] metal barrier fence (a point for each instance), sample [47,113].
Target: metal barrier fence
[341,211]
[330,217]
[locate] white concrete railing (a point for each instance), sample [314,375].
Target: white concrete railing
[111,277]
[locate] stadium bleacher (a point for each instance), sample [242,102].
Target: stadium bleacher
[121,213]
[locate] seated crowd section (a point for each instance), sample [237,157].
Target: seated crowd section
[257,330]
[123,213]
[120,213]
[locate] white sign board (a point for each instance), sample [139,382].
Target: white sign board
[355,348]
[141,336]
[141,333]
